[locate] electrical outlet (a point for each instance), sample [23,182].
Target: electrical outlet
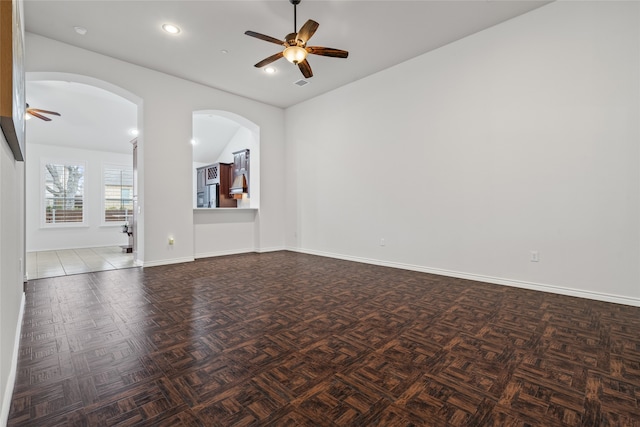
[535,256]
[382,242]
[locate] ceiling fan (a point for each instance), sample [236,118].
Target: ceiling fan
[295,45]
[36,112]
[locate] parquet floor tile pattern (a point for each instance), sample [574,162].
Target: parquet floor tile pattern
[287,339]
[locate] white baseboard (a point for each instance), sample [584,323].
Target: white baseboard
[31,250]
[210,255]
[239,251]
[271,249]
[11,379]
[598,296]
[224,253]
[167,261]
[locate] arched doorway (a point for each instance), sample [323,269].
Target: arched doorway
[90,142]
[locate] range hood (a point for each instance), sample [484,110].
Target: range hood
[239,186]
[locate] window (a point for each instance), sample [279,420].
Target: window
[63,193]
[118,193]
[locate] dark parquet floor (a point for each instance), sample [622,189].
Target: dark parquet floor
[286,339]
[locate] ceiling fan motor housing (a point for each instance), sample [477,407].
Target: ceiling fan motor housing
[291,39]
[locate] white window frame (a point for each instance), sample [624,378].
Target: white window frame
[43,193]
[105,166]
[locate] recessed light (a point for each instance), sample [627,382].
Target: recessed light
[269,70]
[80,30]
[133,132]
[170,28]
[224,51]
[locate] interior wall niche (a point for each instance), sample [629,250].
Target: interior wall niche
[216,136]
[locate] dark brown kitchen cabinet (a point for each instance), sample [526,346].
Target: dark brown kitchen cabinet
[213,186]
[226,177]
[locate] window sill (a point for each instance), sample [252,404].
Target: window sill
[61,226]
[112,225]
[224,209]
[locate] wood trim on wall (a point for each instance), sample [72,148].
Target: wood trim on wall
[12,79]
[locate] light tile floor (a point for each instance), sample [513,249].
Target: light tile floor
[73,261]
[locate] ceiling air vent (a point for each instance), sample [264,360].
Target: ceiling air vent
[301,82]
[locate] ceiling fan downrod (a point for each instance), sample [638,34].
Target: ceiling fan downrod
[295,14]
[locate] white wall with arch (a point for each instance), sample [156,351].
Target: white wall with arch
[224,231]
[165,155]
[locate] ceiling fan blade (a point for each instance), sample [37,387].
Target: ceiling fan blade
[307,30]
[327,51]
[43,111]
[305,68]
[264,37]
[269,60]
[34,114]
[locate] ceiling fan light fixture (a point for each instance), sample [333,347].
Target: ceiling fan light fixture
[295,54]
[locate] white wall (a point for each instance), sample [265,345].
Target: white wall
[94,234]
[522,137]
[224,232]
[165,158]
[11,269]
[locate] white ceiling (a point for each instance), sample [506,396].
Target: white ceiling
[377,34]
[90,118]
